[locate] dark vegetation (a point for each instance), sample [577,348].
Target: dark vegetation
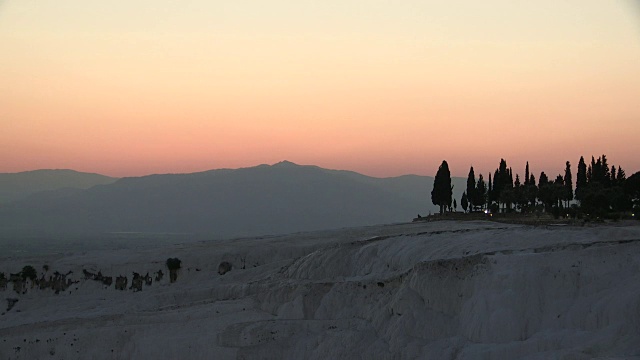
[224,267]
[601,192]
[173,264]
[29,272]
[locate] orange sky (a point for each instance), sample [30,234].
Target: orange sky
[373,86]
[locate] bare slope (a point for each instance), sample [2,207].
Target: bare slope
[470,290]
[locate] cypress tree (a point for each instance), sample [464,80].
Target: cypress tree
[502,180]
[568,183]
[532,190]
[605,176]
[481,192]
[464,202]
[581,178]
[490,192]
[471,188]
[518,193]
[559,191]
[590,169]
[543,179]
[545,193]
[526,174]
[442,192]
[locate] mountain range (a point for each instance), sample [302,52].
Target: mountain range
[261,200]
[17,186]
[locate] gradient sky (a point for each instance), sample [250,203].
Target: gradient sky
[385,88]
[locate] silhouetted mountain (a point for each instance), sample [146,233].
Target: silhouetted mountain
[265,199]
[16,186]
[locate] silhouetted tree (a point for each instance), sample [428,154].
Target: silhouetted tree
[595,201]
[568,184]
[503,180]
[526,174]
[455,205]
[590,170]
[632,188]
[464,202]
[621,176]
[558,194]
[490,192]
[29,272]
[174,265]
[471,188]
[613,175]
[601,189]
[605,175]
[481,192]
[581,178]
[442,192]
[518,190]
[598,171]
[545,191]
[530,193]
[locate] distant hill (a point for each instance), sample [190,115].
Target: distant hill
[16,186]
[281,198]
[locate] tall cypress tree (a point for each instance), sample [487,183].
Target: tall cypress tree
[442,192]
[471,188]
[568,183]
[481,192]
[502,180]
[532,190]
[581,178]
[590,175]
[526,174]
[605,176]
[490,192]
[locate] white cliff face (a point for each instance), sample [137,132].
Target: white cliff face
[465,290]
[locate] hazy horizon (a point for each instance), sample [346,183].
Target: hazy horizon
[382,89]
[516,170]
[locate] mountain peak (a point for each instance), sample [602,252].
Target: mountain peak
[285,163]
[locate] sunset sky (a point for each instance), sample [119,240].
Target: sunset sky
[385,88]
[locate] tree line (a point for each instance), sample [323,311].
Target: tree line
[600,191]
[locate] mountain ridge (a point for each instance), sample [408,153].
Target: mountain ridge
[260,200]
[19,185]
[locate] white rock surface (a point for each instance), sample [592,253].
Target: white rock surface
[440,290]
